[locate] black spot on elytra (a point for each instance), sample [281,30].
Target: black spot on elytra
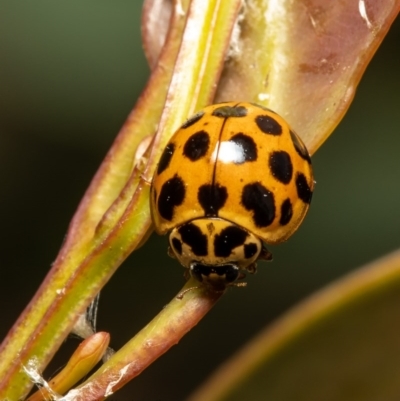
[196,146]
[250,250]
[166,158]
[259,200]
[212,198]
[303,189]
[177,245]
[300,147]
[192,120]
[229,238]
[230,111]
[286,212]
[281,166]
[245,148]
[172,194]
[193,237]
[268,125]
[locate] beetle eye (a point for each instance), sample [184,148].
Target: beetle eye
[214,274]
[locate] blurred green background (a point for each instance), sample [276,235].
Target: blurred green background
[70,72]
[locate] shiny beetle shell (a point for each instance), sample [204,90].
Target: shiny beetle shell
[236,162]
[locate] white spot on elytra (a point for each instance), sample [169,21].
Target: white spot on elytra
[229,152]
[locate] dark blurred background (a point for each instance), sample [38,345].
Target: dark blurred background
[70,72]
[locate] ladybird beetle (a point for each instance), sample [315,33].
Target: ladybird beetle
[234,176]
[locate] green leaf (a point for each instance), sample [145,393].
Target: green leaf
[304,59]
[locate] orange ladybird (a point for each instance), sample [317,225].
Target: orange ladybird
[233,177]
